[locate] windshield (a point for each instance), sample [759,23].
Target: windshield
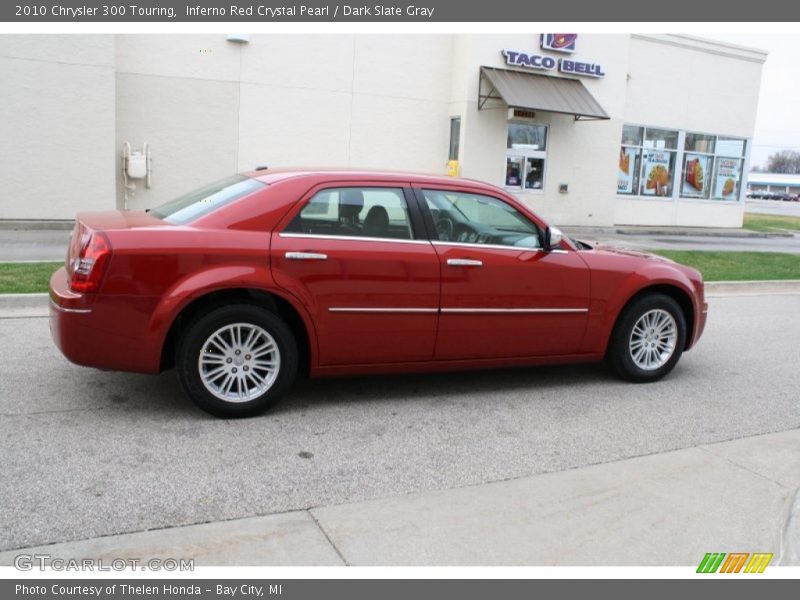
[196,204]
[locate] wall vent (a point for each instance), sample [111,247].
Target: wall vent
[520,113]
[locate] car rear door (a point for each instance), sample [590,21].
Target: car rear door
[355,255]
[499,299]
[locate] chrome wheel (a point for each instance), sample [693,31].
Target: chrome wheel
[653,339]
[239,362]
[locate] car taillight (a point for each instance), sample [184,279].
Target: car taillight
[87,261]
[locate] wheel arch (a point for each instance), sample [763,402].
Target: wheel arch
[677,293]
[269,300]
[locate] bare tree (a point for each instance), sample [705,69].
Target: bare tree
[785,161]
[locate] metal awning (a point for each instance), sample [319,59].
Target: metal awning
[532,91]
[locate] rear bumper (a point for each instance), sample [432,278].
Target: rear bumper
[86,330]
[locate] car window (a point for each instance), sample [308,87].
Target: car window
[355,211]
[200,202]
[477,219]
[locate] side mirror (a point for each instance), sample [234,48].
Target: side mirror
[552,238]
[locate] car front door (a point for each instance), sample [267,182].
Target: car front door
[502,295]
[353,255]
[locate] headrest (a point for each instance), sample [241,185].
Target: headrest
[350,204]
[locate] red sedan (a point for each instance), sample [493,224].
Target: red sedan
[246,282]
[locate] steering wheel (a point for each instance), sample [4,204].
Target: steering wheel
[444,228]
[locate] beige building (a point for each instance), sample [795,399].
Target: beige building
[594,130]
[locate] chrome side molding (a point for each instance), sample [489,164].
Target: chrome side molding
[499,311]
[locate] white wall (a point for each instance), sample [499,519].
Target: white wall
[57,123]
[209,107]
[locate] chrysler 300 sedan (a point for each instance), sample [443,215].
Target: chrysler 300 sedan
[247,282]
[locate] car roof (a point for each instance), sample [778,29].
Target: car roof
[270,176]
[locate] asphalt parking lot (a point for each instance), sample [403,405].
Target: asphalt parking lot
[89,453]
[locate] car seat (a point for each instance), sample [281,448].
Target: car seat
[376,223]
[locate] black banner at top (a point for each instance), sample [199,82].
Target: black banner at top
[241,11]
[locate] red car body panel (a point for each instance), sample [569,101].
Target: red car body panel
[157,270]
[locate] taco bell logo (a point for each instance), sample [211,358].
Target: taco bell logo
[559,42]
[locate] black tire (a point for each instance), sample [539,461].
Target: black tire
[201,329]
[619,355]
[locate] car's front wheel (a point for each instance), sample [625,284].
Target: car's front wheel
[237,360]
[648,339]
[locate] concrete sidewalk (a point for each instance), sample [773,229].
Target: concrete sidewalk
[663,509]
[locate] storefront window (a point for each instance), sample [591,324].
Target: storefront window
[657,169]
[455,136]
[730,147]
[513,171]
[526,152]
[646,161]
[660,139]
[697,165]
[629,166]
[727,178]
[699,142]
[526,136]
[728,166]
[632,135]
[710,166]
[534,180]
[696,175]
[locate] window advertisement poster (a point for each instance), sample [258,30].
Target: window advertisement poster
[656,172]
[695,182]
[627,165]
[727,178]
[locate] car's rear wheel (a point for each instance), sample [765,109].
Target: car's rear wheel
[648,339]
[237,360]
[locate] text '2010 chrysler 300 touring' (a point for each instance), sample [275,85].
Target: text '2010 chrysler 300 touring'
[246,282]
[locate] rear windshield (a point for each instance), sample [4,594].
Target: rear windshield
[196,204]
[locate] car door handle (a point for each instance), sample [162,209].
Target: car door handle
[464,262]
[306,256]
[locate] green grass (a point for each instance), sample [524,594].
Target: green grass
[769,223]
[737,266]
[20,278]
[26,278]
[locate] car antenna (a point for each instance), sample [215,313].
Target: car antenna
[262,168]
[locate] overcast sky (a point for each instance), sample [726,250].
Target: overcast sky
[778,120]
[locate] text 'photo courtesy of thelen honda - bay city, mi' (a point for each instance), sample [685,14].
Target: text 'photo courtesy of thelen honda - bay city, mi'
[249,282]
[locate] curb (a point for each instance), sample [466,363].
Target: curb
[771,286]
[587,232]
[734,233]
[790,535]
[24,305]
[36,224]
[36,305]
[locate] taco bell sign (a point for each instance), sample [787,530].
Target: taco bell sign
[559,42]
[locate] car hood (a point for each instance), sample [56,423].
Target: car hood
[621,251]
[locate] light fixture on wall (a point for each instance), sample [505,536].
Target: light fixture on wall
[239,38]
